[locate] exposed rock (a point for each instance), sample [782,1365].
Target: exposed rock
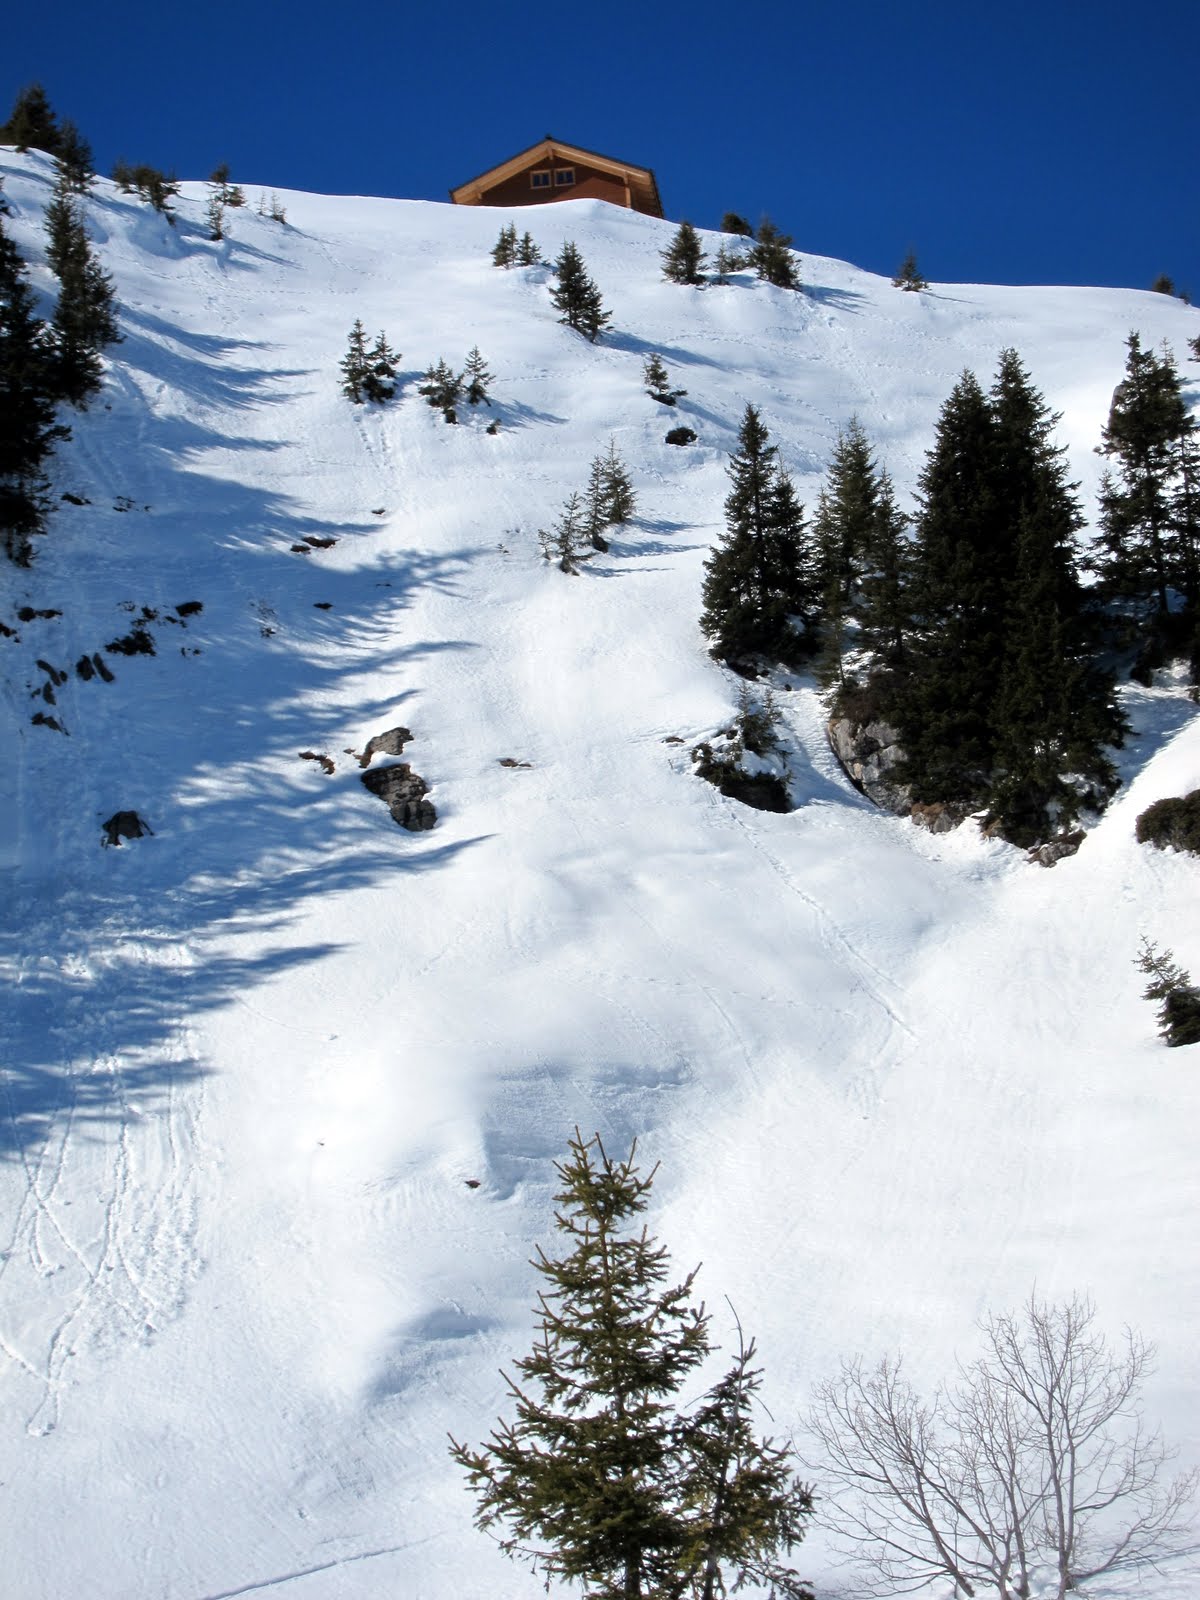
[680,436]
[124,825]
[28,614]
[1055,849]
[511,761]
[403,792]
[190,608]
[764,790]
[869,752]
[326,762]
[41,720]
[390,743]
[939,816]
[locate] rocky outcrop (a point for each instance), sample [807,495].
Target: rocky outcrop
[390,743]
[870,752]
[124,825]
[403,792]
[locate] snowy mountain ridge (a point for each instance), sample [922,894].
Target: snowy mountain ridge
[254,1063]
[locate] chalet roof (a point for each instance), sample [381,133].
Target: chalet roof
[640,179]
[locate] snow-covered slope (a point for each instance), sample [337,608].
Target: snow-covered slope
[251,1064]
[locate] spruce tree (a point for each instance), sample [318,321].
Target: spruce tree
[852,493]
[31,124]
[504,251]
[355,365]
[379,380]
[602,1479]
[908,276]
[683,259]
[771,256]
[883,601]
[576,296]
[756,581]
[443,389]
[620,501]
[74,158]
[732,222]
[595,506]
[1178,997]
[658,382]
[528,254]
[28,429]
[563,542]
[476,378]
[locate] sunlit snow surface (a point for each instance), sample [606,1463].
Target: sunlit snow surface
[252,1064]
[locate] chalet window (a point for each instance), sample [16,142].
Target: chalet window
[564,177]
[539,180]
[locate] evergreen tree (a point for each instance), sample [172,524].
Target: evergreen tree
[214,215]
[729,259]
[1163,285]
[476,377]
[443,389]
[908,277]
[528,254]
[595,506]
[85,319]
[28,429]
[504,251]
[66,240]
[229,194]
[731,222]
[756,582]
[1178,996]
[601,1479]
[564,541]
[31,124]
[1194,347]
[379,380]
[658,382]
[577,297]
[852,495]
[1147,542]
[74,158]
[355,365]
[882,607]
[834,592]
[620,501]
[771,256]
[684,257]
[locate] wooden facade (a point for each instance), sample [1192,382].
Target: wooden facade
[552,170]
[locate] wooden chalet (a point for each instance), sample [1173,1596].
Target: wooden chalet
[552,170]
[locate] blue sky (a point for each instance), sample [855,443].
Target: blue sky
[1024,143]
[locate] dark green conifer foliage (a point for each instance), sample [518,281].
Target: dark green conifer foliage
[28,429]
[564,541]
[771,256]
[1194,347]
[528,254]
[75,162]
[852,493]
[883,600]
[476,379]
[443,389]
[379,380]
[658,381]
[504,251]
[1142,551]
[85,317]
[1178,996]
[683,259]
[576,297]
[595,506]
[355,365]
[731,222]
[619,499]
[908,275]
[835,594]
[31,124]
[756,580]
[601,1480]
[1163,284]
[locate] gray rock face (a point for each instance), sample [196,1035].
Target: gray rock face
[869,752]
[124,825]
[403,792]
[390,743]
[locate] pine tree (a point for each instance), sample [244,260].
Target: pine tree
[528,254]
[756,581]
[85,318]
[658,382]
[476,377]
[908,276]
[601,1479]
[595,506]
[852,494]
[684,257]
[563,542]
[731,222]
[1143,551]
[728,259]
[771,256]
[214,215]
[31,124]
[28,430]
[883,609]
[74,158]
[355,365]
[577,297]
[1178,996]
[379,380]
[443,389]
[620,501]
[504,251]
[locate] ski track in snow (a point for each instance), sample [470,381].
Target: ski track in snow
[281,1086]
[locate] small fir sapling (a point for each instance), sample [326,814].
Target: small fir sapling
[476,379]
[214,215]
[1178,996]
[74,159]
[683,259]
[355,365]
[595,516]
[504,251]
[528,254]
[731,222]
[657,381]
[563,542]
[620,501]
[771,256]
[908,276]
[379,380]
[442,389]
[576,297]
